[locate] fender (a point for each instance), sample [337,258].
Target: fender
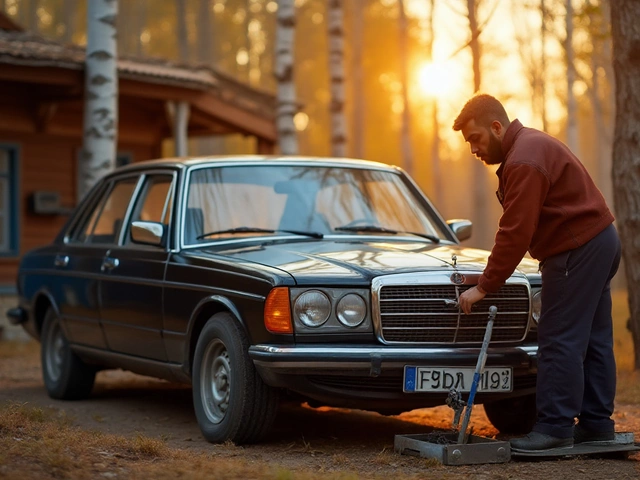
[218,299]
[43,292]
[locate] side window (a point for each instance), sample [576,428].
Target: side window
[105,222]
[155,201]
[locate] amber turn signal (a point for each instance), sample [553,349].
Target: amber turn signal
[277,311]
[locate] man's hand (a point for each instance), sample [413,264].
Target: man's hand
[468,298]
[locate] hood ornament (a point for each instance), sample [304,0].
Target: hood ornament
[456,277]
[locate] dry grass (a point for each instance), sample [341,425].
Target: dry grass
[39,444]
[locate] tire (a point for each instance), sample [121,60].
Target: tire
[66,377]
[513,415]
[230,399]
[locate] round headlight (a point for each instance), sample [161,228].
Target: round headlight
[536,305]
[351,310]
[312,308]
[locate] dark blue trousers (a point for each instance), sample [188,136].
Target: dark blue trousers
[576,366]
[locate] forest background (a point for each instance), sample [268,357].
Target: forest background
[409,66]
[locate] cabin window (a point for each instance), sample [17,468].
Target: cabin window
[9,221]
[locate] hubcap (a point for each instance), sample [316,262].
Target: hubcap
[215,384]
[54,354]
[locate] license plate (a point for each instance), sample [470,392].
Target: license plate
[443,379]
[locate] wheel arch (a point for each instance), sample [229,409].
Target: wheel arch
[207,308]
[43,301]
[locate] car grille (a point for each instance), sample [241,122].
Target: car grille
[419,314]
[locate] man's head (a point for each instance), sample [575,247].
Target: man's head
[483,122]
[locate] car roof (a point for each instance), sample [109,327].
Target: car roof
[229,160]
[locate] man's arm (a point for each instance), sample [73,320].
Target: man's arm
[526,187]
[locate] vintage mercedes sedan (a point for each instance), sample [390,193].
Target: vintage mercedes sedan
[332,281]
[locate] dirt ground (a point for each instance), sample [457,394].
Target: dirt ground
[324,440]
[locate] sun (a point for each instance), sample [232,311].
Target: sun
[437,80]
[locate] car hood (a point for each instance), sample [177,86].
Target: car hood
[359,261]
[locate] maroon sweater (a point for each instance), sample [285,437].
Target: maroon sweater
[550,204]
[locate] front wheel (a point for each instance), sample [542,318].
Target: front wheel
[230,399]
[66,377]
[515,415]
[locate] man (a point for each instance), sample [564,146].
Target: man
[552,208]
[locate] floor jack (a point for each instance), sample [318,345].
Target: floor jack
[459,447]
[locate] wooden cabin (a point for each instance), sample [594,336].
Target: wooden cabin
[41,123]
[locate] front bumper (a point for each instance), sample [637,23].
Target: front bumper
[17,315]
[371,377]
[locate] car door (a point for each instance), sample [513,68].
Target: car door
[79,262]
[131,291]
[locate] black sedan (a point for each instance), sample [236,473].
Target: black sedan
[330,280]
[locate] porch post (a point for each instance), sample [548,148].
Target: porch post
[180,128]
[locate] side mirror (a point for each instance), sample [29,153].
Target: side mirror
[461,228]
[147,233]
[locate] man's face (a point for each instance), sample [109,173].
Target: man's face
[484,143]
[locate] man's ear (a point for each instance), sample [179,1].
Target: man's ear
[497,128]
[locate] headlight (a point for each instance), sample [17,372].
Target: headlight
[536,305]
[312,308]
[351,310]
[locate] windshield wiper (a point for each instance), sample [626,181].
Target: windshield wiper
[259,230]
[377,229]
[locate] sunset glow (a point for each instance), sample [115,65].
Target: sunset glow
[436,80]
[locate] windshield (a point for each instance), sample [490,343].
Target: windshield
[237,200]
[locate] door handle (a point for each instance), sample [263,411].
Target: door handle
[110,263]
[61,260]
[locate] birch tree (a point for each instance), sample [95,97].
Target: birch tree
[480,189]
[69,10]
[405,134]
[626,149]
[205,33]
[572,103]
[140,25]
[534,62]
[283,71]
[336,77]
[357,82]
[436,174]
[183,38]
[597,58]
[543,65]
[101,94]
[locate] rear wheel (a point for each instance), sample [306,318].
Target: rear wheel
[66,377]
[230,399]
[515,415]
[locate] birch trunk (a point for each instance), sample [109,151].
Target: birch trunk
[101,94]
[436,174]
[357,84]
[183,38]
[69,9]
[336,76]
[141,23]
[480,189]
[572,104]
[405,139]
[33,20]
[286,90]
[205,33]
[626,149]
[543,65]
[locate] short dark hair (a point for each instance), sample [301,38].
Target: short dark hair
[482,108]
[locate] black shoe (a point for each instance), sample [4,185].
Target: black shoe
[583,435]
[536,442]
